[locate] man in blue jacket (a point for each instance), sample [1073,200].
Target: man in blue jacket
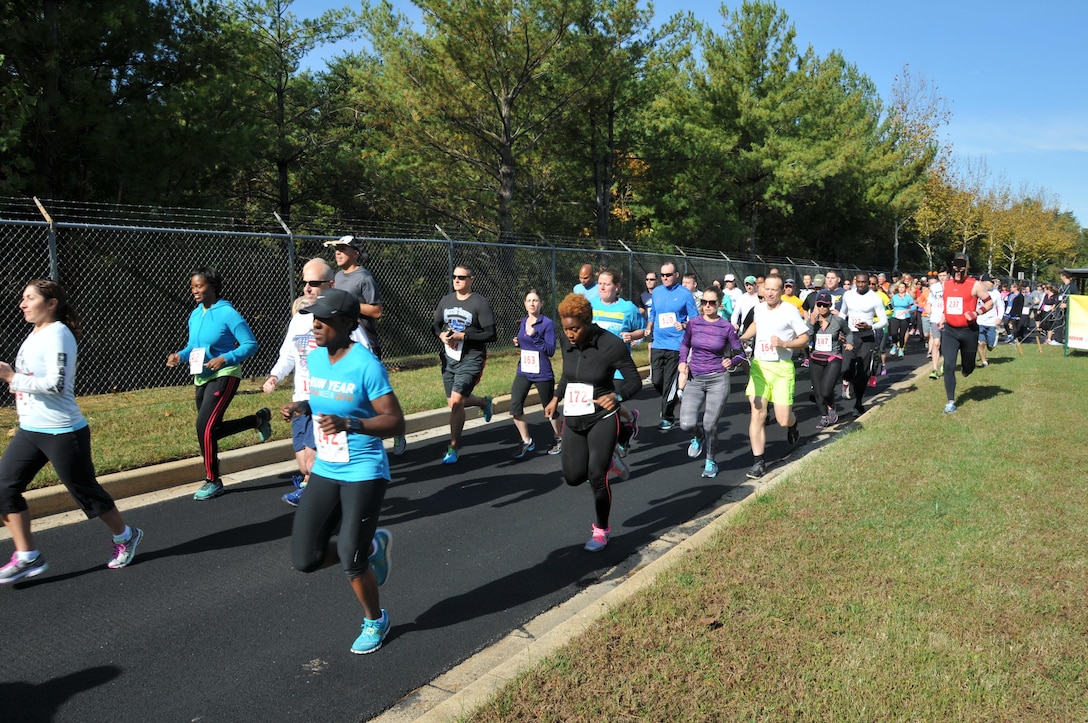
[673,305]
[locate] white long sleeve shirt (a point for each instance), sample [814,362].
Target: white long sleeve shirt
[865,308]
[297,343]
[45,376]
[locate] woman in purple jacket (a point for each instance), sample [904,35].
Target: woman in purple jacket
[708,351]
[536,340]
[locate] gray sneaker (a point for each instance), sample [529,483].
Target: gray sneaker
[123,552]
[16,569]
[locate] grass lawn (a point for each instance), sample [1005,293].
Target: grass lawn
[922,567]
[130,430]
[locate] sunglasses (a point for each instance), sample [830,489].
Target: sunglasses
[708,301]
[651,278]
[460,277]
[820,303]
[663,275]
[313,282]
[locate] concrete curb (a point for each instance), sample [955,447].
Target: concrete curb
[454,695]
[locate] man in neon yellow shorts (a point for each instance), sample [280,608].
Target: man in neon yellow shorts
[778,330]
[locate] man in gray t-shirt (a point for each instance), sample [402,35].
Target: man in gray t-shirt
[360,283]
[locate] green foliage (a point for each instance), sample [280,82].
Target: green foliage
[554,117]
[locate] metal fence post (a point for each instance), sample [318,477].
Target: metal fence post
[54,264]
[290,257]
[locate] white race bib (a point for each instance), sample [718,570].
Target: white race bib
[953,305]
[578,400]
[901,314]
[196,360]
[668,320]
[823,342]
[330,447]
[855,320]
[765,351]
[453,350]
[530,362]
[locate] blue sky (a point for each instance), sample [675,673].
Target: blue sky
[1015,75]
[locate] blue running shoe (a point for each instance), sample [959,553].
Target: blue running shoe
[711,469]
[374,632]
[210,488]
[293,498]
[451,456]
[695,448]
[380,559]
[525,448]
[487,409]
[264,424]
[665,425]
[298,480]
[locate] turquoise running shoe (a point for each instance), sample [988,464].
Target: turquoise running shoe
[374,632]
[380,559]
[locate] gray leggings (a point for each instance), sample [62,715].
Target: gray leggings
[704,395]
[348,510]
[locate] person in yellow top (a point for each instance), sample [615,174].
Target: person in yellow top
[790,296]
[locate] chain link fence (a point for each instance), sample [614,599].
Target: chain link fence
[130,285]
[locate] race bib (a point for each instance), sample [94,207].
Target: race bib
[855,320]
[765,351]
[196,360]
[578,400]
[953,305]
[900,314]
[330,447]
[530,362]
[668,320]
[453,350]
[823,342]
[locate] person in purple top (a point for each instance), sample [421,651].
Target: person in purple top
[708,350]
[536,340]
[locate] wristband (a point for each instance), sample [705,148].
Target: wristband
[619,397]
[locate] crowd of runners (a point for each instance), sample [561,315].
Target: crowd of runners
[343,405]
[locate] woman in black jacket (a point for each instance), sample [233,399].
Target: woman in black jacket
[591,356]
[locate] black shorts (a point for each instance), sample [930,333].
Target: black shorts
[462,376]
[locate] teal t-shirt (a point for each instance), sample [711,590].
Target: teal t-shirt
[345,389]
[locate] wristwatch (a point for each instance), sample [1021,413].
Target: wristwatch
[355,425]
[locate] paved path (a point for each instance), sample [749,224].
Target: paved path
[212,624]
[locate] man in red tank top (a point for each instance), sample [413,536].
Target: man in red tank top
[964,299]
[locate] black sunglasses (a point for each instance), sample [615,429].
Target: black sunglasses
[313,282]
[460,277]
[708,301]
[820,303]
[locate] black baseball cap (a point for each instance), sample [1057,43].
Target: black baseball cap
[334,303]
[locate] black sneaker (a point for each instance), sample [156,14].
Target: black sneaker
[264,426]
[758,470]
[793,433]
[525,448]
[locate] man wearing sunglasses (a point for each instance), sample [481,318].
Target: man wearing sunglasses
[297,343]
[361,284]
[673,305]
[464,323]
[964,299]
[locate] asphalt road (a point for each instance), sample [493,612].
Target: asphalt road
[211,623]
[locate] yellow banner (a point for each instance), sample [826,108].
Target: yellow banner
[1077,321]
